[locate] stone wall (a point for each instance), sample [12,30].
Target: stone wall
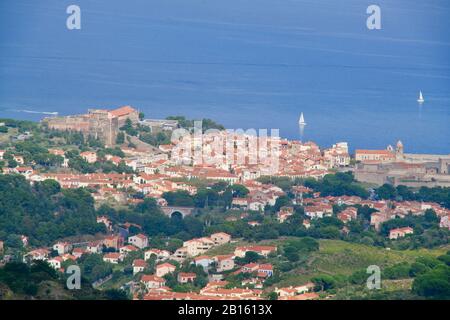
[98,123]
[415,176]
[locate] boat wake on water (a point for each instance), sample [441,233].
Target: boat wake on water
[53,113]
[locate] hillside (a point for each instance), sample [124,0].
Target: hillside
[345,264]
[39,281]
[337,257]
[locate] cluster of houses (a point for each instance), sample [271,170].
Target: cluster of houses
[217,290]
[114,249]
[214,290]
[388,210]
[316,207]
[157,171]
[302,160]
[195,250]
[301,292]
[156,288]
[259,196]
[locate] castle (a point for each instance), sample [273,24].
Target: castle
[99,123]
[381,156]
[396,167]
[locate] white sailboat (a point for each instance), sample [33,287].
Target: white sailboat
[421,99]
[301,121]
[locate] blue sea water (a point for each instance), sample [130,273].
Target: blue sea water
[244,63]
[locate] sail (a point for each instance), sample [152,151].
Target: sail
[302,119]
[421,99]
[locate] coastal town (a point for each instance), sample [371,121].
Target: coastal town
[170,173]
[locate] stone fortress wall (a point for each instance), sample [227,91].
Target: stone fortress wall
[98,123]
[414,170]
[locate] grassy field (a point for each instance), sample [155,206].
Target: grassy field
[339,257]
[343,258]
[4,137]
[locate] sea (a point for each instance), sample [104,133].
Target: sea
[243,63]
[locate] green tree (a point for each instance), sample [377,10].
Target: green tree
[120,139]
[386,191]
[239,190]
[418,268]
[324,282]
[250,256]
[149,205]
[434,284]
[12,163]
[273,296]
[291,254]
[180,198]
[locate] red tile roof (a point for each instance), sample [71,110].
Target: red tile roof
[152,278]
[122,111]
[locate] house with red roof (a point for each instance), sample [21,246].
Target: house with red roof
[220,238]
[445,222]
[284,213]
[139,265]
[304,296]
[160,255]
[224,262]
[233,293]
[266,269]
[203,261]
[261,250]
[37,254]
[94,247]
[319,210]
[306,223]
[198,246]
[381,156]
[113,257]
[254,223]
[113,242]
[124,112]
[348,214]
[256,282]
[250,267]
[62,247]
[152,281]
[78,252]
[68,256]
[400,232]
[164,268]
[140,240]
[185,277]
[89,156]
[105,221]
[294,290]
[377,218]
[55,262]
[27,172]
[127,249]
